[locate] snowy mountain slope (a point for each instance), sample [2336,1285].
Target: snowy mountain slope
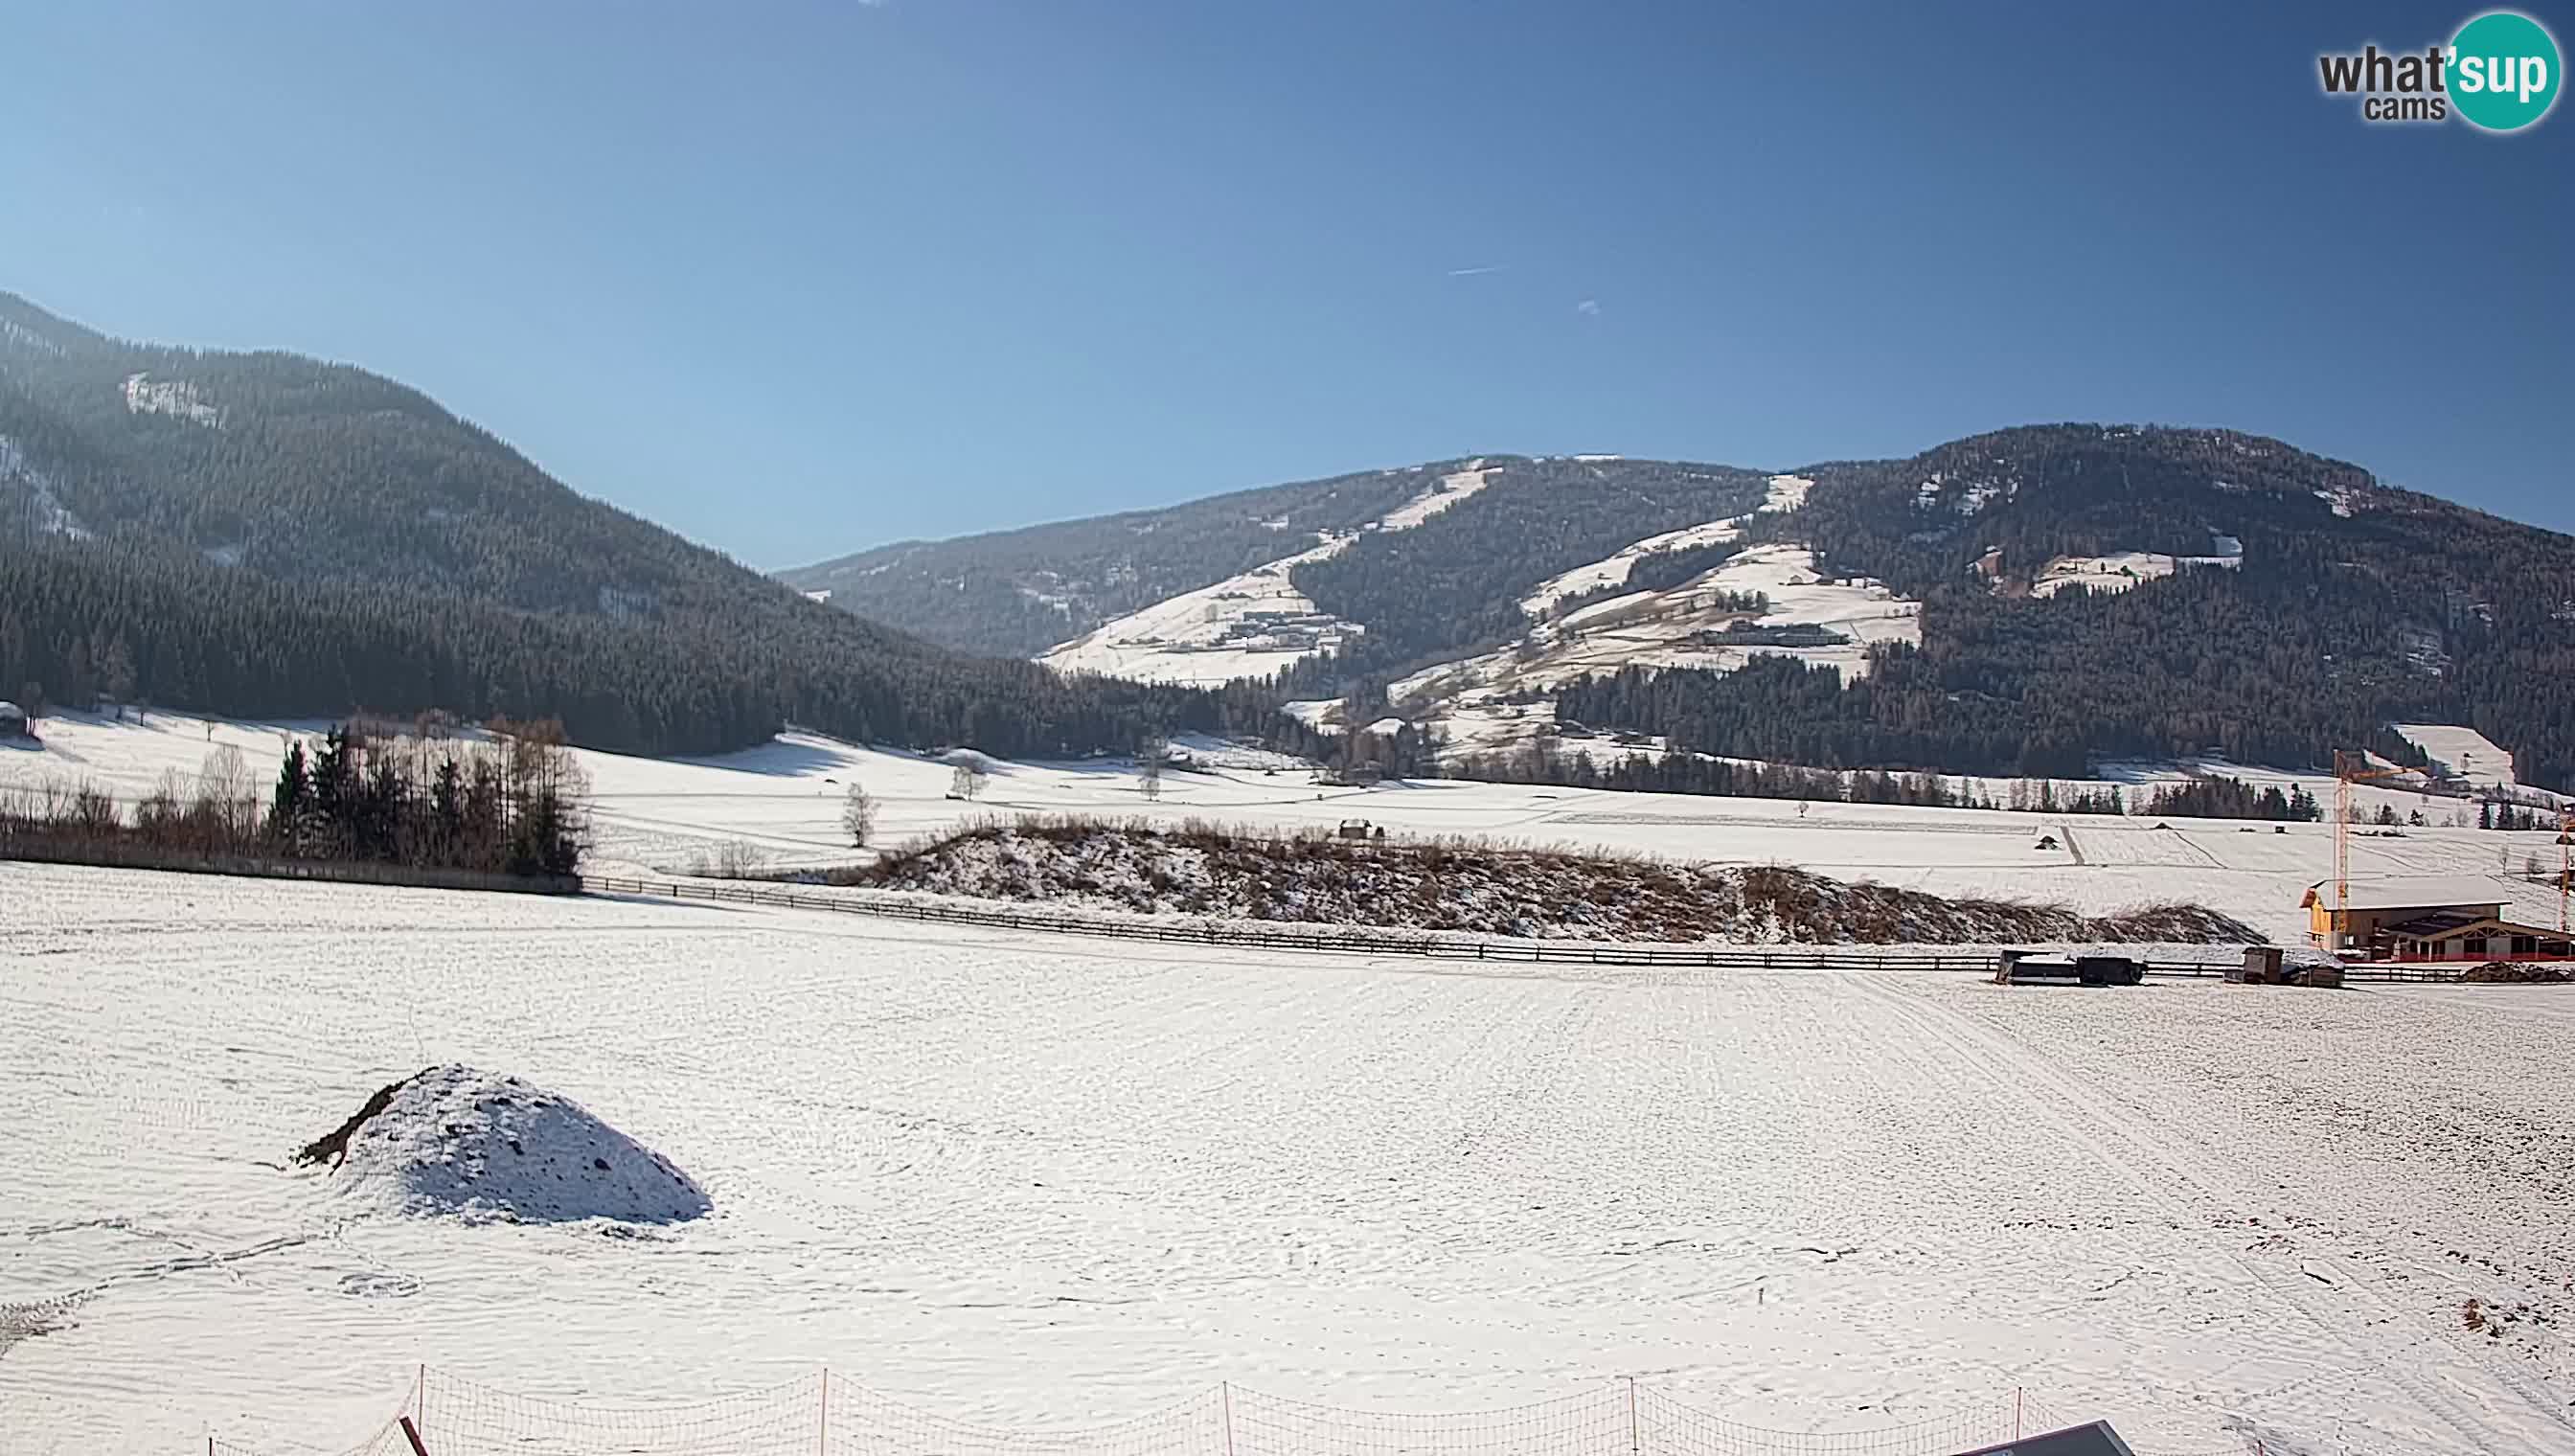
[2465,755]
[1612,571]
[1419,559]
[1247,626]
[260,533]
[1025,592]
[1768,600]
[1701,624]
[1786,492]
[42,510]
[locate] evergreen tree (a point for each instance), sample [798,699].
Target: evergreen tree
[292,800]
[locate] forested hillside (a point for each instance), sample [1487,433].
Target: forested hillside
[263,533]
[1022,592]
[2084,593]
[2354,604]
[1456,581]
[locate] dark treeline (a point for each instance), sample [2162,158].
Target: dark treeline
[2221,798]
[511,801]
[81,622]
[2041,696]
[1545,760]
[518,805]
[2495,815]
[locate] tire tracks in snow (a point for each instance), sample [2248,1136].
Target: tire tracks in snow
[2150,1157]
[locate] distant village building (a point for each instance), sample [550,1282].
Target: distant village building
[2422,919]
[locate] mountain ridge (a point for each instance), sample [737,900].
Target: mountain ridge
[261,532]
[2031,559]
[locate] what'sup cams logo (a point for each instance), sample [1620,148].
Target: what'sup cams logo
[2500,73]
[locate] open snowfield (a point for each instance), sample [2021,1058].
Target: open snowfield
[2463,751]
[1014,1180]
[2123,570]
[782,801]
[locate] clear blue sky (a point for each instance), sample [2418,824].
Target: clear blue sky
[798,279]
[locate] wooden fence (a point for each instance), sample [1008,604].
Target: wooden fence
[1355,940]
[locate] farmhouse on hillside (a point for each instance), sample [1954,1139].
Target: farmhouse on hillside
[2422,919]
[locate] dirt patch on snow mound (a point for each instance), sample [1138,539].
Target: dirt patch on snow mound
[1467,885]
[2519,973]
[487,1148]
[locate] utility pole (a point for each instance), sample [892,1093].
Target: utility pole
[2565,859]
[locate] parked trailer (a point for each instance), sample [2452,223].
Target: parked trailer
[2022,967]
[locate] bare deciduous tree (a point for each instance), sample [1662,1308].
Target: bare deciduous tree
[226,799]
[858,814]
[1148,767]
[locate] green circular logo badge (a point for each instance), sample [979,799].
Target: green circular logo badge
[2504,70]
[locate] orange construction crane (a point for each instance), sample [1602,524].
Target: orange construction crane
[2349,768]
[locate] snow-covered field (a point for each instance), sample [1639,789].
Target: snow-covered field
[1011,1179]
[2463,753]
[781,803]
[2122,571]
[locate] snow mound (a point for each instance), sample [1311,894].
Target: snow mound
[487,1148]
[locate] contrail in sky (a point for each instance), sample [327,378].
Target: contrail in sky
[1475,271]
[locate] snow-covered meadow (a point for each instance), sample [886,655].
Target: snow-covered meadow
[779,806]
[1014,1180]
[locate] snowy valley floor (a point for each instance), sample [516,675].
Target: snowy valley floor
[1021,1181]
[781,802]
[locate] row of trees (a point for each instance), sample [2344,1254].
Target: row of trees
[512,800]
[2506,815]
[85,622]
[2220,798]
[1546,760]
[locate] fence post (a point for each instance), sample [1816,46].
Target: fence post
[2016,1394]
[1224,1388]
[823,1425]
[411,1433]
[1636,1444]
